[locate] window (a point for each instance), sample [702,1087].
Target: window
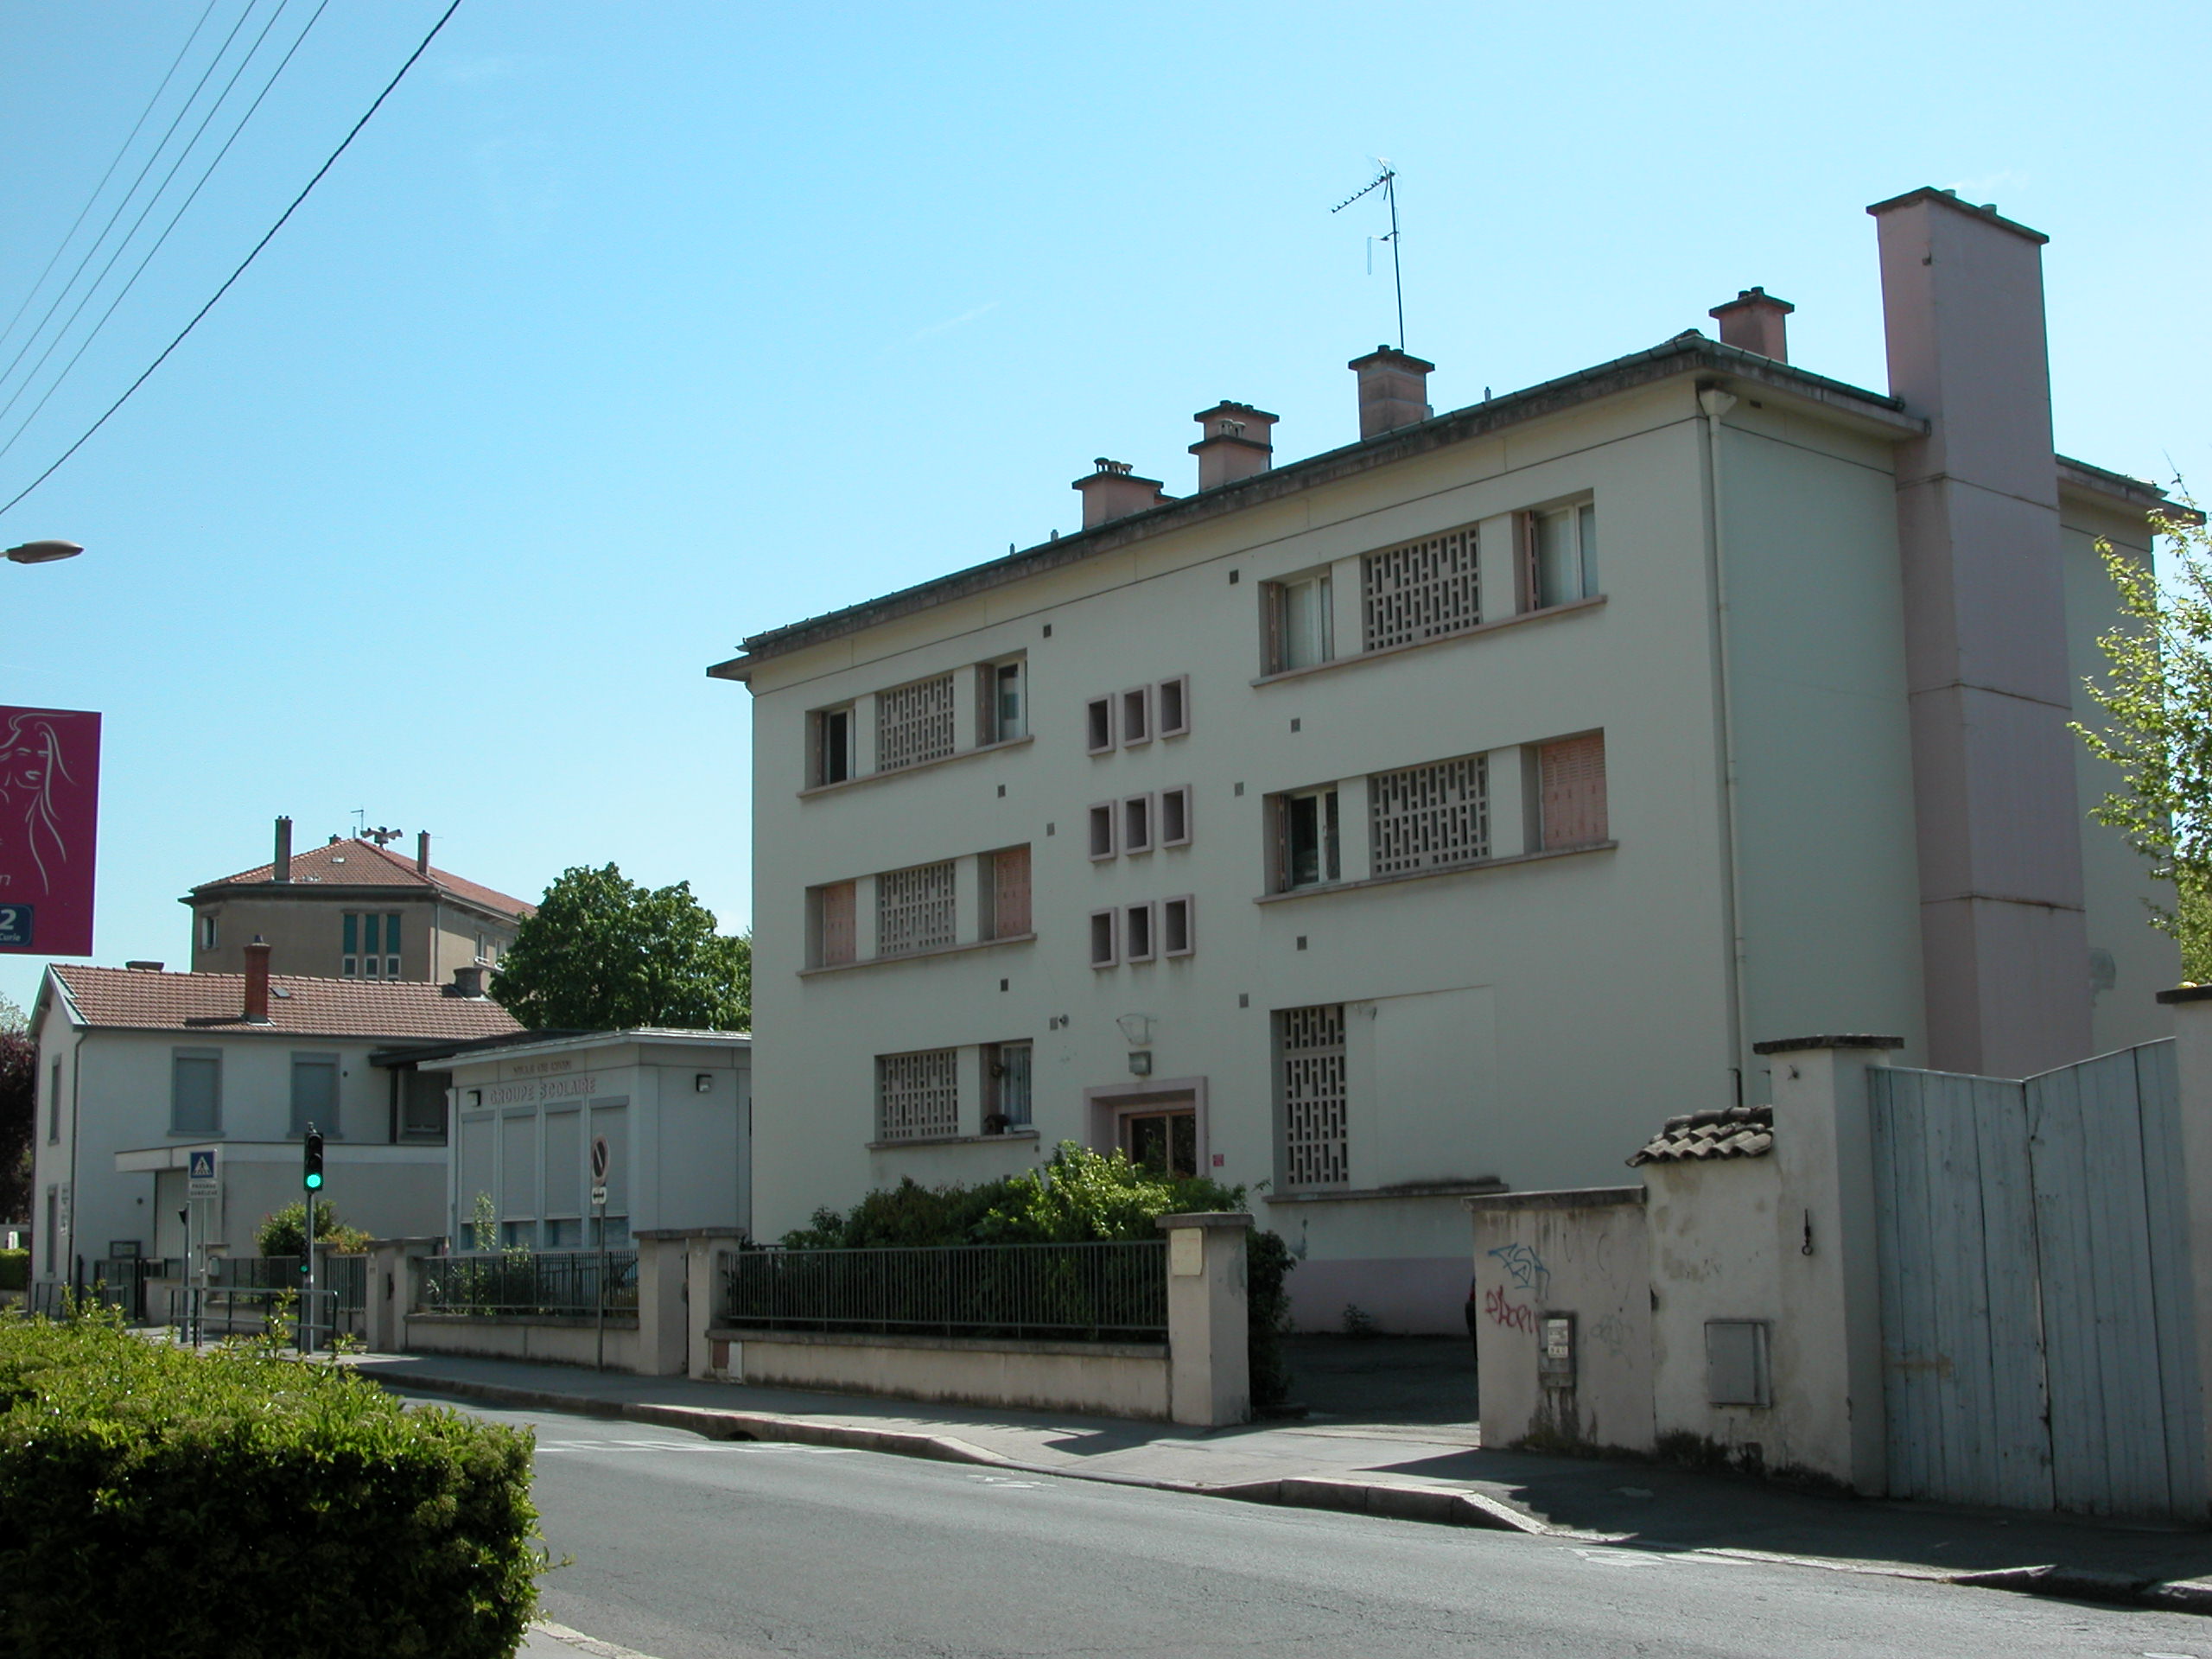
[1136,716]
[1001,706]
[1175,816]
[54,1104]
[1103,938]
[1136,824]
[315,1093]
[1136,933]
[1311,1095]
[914,909]
[422,1105]
[830,925]
[1301,632]
[207,934]
[914,723]
[1006,893]
[1006,1072]
[52,1236]
[1428,817]
[1306,838]
[370,943]
[1101,830]
[1571,791]
[1423,590]
[829,742]
[1098,725]
[1176,938]
[196,1091]
[1174,707]
[1560,551]
[917,1095]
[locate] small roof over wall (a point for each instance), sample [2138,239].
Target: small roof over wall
[541,1044]
[1737,1132]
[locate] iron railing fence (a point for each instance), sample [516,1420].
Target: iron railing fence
[513,1282]
[209,1313]
[1106,1292]
[347,1276]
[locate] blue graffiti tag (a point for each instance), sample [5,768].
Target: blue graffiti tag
[1525,1266]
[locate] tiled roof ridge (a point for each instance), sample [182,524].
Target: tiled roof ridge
[137,999]
[1726,1132]
[399,868]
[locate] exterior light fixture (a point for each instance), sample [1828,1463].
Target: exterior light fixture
[705,1082]
[44,552]
[1141,1063]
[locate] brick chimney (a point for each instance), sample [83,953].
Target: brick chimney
[1393,389]
[282,872]
[257,980]
[422,852]
[1756,320]
[1238,442]
[1113,492]
[468,981]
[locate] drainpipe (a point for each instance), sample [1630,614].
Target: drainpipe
[1715,402]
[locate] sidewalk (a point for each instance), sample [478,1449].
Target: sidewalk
[1424,1471]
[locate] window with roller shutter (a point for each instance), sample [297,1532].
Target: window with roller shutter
[1009,892]
[835,934]
[1571,773]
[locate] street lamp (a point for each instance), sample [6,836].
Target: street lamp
[44,552]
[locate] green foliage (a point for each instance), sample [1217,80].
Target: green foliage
[1079,1195]
[153,1500]
[14,1269]
[2156,699]
[284,1232]
[18,1111]
[604,954]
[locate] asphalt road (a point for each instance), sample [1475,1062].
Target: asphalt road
[688,1549]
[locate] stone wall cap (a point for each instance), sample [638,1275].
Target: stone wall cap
[1583,1197]
[2186,994]
[430,1243]
[1204,1218]
[670,1235]
[1786,1044]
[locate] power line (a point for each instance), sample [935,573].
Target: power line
[343,145]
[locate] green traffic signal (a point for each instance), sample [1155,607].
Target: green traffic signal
[311,1176]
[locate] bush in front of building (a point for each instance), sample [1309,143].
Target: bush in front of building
[284,1232]
[154,1501]
[14,1269]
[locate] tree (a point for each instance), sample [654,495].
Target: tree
[2156,699]
[604,954]
[18,1111]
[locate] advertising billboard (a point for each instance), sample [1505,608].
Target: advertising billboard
[49,819]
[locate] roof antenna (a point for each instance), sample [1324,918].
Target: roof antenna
[1387,181]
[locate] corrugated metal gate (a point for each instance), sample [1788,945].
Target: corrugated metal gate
[2037,1336]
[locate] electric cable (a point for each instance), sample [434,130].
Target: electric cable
[344,144]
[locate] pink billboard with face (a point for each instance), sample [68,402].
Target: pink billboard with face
[49,819]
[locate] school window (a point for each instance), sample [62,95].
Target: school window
[1136,824]
[830,925]
[1559,555]
[1136,933]
[208,932]
[1104,939]
[1006,1073]
[1423,590]
[54,1104]
[1571,791]
[1173,706]
[917,1095]
[1101,830]
[1306,838]
[1098,725]
[315,1093]
[1177,938]
[1001,705]
[1301,632]
[913,724]
[1428,817]
[1175,816]
[1005,885]
[830,746]
[422,1104]
[195,1092]
[914,909]
[1310,1104]
[371,944]
[1136,716]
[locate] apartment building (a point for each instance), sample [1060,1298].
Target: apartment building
[1431,815]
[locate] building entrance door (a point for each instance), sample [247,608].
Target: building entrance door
[1164,1139]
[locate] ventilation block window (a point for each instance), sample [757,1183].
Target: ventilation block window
[1103,938]
[831,933]
[1176,938]
[1006,893]
[830,746]
[1571,791]
[1101,830]
[1310,1095]
[1002,703]
[1174,705]
[1006,1071]
[1428,817]
[914,909]
[917,1095]
[1098,725]
[1423,590]
[1136,933]
[1136,716]
[1300,634]
[913,724]
[1175,816]
[1560,555]
[1136,824]
[1306,838]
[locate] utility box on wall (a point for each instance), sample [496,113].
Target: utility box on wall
[1736,1369]
[1555,1352]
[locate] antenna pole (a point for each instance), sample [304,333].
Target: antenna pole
[1397,268]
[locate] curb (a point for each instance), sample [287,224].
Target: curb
[1432,1504]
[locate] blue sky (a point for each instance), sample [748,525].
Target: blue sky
[625,331]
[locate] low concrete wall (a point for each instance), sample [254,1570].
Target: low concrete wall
[561,1341]
[1110,1379]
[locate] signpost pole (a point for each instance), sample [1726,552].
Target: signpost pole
[306,1314]
[600,1161]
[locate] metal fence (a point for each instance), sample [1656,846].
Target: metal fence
[1113,1292]
[513,1282]
[210,1312]
[345,1277]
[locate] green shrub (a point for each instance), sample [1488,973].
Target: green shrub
[283,1232]
[153,1500]
[14,1269]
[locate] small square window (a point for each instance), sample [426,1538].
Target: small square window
[1136,824]
[1175,706]
[1002,702]
[1136,933]
[829,759]
[1176,938]
[1136,716]
[1098,724]
[1103,938]
[1175,816]
[1101,830]
[1306,852]
[1006,1072]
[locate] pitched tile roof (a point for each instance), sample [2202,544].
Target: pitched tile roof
[358,863]
[1739,1132]
[136,999]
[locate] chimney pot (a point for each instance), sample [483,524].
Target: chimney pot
[1239,441]
[468,981]
[1114,492]
[257,982]
[423,853]
[282,872]
[1393,389]
[1755,320]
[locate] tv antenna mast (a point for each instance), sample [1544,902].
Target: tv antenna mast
[1387,182]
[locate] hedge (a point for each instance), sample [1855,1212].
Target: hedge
[157,1501]
[14,1269]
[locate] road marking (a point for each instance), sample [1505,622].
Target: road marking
[1002,1480]
[692,1445]
[583,1644]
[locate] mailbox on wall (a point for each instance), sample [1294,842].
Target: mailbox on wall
[1555,1350]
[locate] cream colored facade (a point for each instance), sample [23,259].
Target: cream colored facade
[1508,1023]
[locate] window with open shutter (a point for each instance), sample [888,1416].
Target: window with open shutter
[1571,778]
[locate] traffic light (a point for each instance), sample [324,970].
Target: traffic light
[311,1176]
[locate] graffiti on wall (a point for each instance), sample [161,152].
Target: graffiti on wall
[1501,1309]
